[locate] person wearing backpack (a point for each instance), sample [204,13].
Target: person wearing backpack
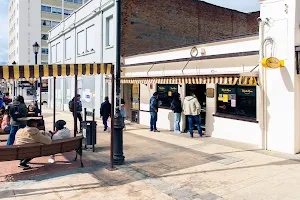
[78,109]
[17,110]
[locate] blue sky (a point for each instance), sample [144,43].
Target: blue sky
[241,5]
[3,30]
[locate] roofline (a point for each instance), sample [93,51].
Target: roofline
[195,43]
[228,55]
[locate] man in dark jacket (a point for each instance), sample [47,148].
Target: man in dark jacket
[105,112]
[153,112]
[78,109]
[177,109]
[17,110]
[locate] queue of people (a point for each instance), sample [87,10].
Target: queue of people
[190,108]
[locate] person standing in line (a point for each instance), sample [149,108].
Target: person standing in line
[153,112]
[177,109]
[78,109]
[17,110]
[192,108]
[105,112]
[123,112]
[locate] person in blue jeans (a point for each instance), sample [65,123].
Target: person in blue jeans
[192,108]
[17,110]
[177,109]
[105,112]
[153,112]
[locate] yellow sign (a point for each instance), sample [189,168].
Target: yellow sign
[272,62]
[225,98]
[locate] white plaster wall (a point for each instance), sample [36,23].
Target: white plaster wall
[280,83]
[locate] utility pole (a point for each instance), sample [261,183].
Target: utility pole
[118,125]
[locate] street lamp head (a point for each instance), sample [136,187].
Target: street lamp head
[36,48]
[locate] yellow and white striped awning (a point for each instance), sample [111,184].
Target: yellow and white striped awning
[31,72]
[226,80]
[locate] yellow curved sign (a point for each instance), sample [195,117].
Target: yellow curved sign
[272,62]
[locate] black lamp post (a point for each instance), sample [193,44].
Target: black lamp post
[36,48]
[118,124]
[14,63]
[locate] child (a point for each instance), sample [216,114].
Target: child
[5,125]
[60,133]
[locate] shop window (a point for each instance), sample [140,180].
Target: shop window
[165,94]
[109,31]
[135,96]
[237,100]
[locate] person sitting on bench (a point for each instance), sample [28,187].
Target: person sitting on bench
[60,133]
[31,134]
[5,125]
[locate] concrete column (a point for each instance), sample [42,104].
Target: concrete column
[281,90]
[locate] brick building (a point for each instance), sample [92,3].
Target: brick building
[169,23]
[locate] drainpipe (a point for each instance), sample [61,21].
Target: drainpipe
[102,77]
[263,86]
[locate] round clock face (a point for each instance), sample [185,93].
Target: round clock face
[194,52]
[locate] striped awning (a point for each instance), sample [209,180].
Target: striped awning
[226,80]
[27,72]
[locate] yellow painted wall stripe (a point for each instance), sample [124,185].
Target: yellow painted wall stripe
[87,69]
[63,69]
[95,69]
[79,69]
[46,71]
[36,71]
[54,68]
[16,72]
[72,69]
[5,72]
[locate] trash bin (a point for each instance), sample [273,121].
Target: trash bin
[89,132]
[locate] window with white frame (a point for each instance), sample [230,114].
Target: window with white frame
[68,12]
[109,31]
[53,54]
[46,22]
[45,8]
[56,10]
[80,43]
[45,51]
[54,23]
[90,39]
[58,52]
[68,48]
[44,36]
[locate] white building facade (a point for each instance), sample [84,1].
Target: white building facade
[30,21]
[86,36]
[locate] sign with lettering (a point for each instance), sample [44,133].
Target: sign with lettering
[272,62]
[246,91]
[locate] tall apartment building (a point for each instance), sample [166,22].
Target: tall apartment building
[30,21]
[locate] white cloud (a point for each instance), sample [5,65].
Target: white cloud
[240,5]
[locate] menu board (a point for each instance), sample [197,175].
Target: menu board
[165,94]
[226,99]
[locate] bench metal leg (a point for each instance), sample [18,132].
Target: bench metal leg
[79,152]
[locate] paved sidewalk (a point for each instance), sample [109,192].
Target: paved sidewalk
[164,166]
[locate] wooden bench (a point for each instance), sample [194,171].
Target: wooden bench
[34,150]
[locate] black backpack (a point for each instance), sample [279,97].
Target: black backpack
[71,106]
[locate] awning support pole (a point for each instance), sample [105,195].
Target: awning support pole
[54,104]
[41,95]
[75,106]
[185,66]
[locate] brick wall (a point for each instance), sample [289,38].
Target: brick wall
[156,24]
